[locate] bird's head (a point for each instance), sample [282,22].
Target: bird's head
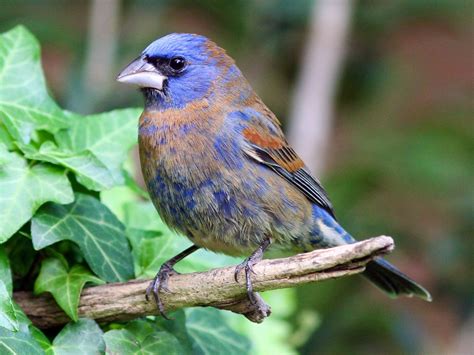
[178,69]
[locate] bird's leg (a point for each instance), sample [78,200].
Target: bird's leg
[161,279]
[247,266]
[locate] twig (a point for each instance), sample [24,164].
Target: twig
[216,288]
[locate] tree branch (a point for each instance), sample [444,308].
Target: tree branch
[215,288]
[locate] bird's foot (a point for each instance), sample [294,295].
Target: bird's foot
[247,265]
[258,309]
[160,282]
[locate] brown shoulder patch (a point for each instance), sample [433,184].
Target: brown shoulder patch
[263,141]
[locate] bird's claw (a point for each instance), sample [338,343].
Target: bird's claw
[237,271]
[247,266]
[159,283]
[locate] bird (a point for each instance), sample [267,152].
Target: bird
[219,169]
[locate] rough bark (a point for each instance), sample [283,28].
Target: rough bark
[215,288]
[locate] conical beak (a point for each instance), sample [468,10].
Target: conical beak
[143,74]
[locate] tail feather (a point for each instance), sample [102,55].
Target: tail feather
[391,280]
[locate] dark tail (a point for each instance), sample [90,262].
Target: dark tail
[391,280]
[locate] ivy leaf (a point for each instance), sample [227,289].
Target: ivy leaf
[5,270]
[141,337]
[24,188]
[92,226]
[18,343]
[93,147]
[124,342]
[143,215]
[65,285]
[153,243]
[205,331]
[82,337]
[151,249]
[26,340]
[6,138]
[41,339]
[108,136]
[31,333]
[272,336]
[177,327]
[211,335]
[89,170]
[25,105]
[7,311]
[20,254]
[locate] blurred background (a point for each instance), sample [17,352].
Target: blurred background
[377,96]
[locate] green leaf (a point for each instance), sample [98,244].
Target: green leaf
[93,147]
[32,333]
[24,188]
[205,331]
[21,254]
[81,338]
[18,343]
[116,198]
[273,335]
[90,171]
[177,327]
[7,311]
[91,225]
[65,285]
[123,342]
[151,249]
[141,337]
[41,339]
[23,321]
[109,136]
[5,270]
[25,105]
[6,138]
[143,215]
[211,335]
[153,243]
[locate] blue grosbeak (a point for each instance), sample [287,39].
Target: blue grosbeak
[219,169]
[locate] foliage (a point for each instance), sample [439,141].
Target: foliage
[64,284]
[98,233]
[59,173]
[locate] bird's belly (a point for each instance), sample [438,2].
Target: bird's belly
[201,199]
[226,204]
[207,212]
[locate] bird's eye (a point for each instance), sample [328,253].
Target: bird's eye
[177,64]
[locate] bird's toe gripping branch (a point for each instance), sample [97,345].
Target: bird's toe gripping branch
[258,305]
[160,282]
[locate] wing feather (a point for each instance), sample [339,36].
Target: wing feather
[275,153]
